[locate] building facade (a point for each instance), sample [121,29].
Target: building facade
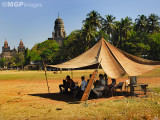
[59,33]
[8,53]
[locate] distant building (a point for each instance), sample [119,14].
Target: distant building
[7,53]
[59,33]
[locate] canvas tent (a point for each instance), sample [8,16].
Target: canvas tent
[115,62]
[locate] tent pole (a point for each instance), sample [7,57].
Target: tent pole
[46,77]
[88,88]
[71,73]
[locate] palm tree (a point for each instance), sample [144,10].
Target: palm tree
[126,27]
[108,25]
[94,19]
[141,23]
[117,34]
[122,31]
[153,24]
[88,32]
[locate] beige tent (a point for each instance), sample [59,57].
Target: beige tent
[114,61]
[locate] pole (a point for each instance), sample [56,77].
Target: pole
[46,77]
[89,86]
[71,73]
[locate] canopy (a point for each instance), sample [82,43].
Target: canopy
[115,62]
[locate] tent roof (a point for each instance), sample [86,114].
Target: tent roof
[114,61]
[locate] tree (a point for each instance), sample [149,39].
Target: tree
[74,45]
[141,23]
[108,25]
[154,42]
[19,60]
[36,53]
[27,57]
[94,19]
[137,44]
[2,62]
[153,24]
[126,27]
[88,33]
[10,62]
[117,34]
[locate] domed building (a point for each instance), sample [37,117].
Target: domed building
[59,33]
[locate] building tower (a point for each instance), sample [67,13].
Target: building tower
[21,47]
[59,33]
[6,50]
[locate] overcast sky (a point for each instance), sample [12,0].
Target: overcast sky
[18,19]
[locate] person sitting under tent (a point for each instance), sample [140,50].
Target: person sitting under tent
[99,86]
[80,90]
[110,88]
[89,78]
[68,83]
[106,79]
[113,83]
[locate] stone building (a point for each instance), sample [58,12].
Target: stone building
[8,53]
[21,47]
[59,33]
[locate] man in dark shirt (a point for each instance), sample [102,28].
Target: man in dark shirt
[68,83]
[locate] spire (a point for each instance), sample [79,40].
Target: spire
[58,14]
[5,43]
[21,43]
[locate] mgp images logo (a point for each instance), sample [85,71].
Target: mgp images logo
[21,4]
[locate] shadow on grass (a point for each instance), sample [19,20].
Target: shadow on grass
[58,97]
[69,98]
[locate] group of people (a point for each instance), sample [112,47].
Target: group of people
[78,91]
[74,89]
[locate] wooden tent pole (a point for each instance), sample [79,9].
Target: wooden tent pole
[46,77]
[71,73]
[89,86]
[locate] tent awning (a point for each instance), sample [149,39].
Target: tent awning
[115,62]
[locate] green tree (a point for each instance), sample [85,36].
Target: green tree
[154,42]
[126,26]
[10,62]
[2,62]
[74,45]
[36,53]
[141,23]
[19,60]
[108,25]
[153,24]
[122,31]
[94,19]
[117,34]
[137,44]
[89,34]
[27,57]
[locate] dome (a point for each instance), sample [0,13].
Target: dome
[58,21]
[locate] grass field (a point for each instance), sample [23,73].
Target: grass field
[24,96]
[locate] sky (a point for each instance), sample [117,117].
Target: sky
[33,20]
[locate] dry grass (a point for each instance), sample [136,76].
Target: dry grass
[23,96]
